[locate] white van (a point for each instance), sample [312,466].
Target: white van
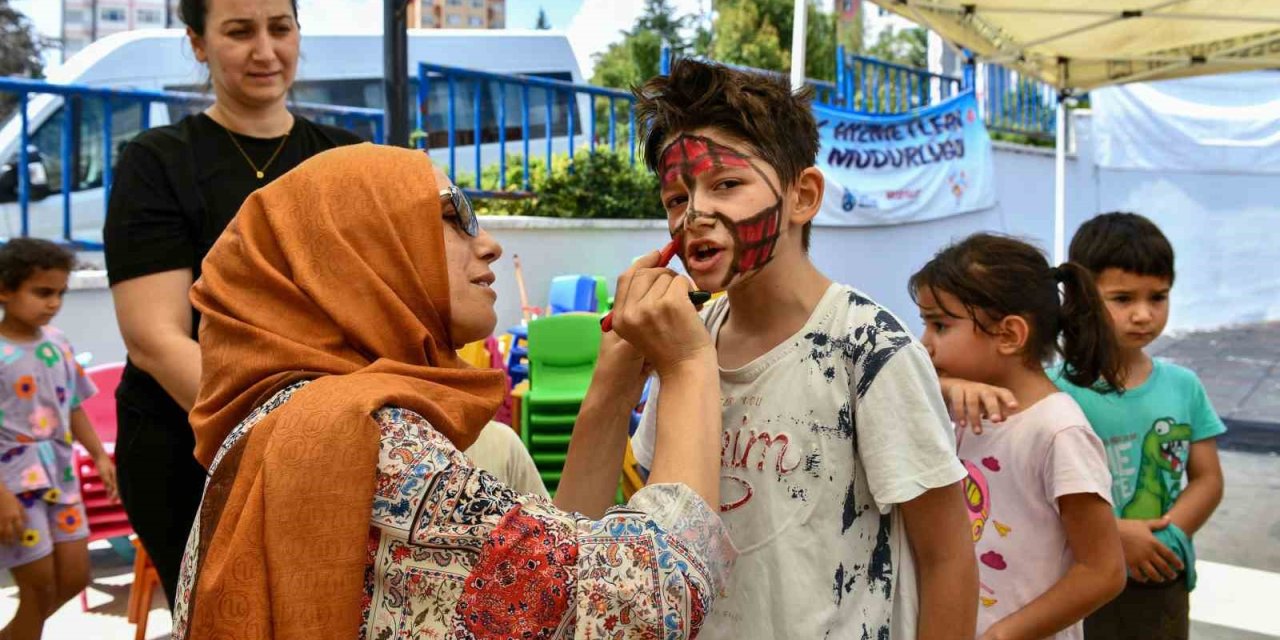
[344,70]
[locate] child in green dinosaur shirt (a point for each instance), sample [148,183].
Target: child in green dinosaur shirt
[1159,434]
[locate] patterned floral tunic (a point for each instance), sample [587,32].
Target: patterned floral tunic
[453,553]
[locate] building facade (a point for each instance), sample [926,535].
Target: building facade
[457,14]
[84,21]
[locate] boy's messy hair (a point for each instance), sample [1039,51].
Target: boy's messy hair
[1125,241]
[758,108]
[994,276]
[20,258]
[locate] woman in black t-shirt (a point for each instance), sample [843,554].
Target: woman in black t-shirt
[176,188]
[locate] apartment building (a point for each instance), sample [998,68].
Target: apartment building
[457,14]
[84,21]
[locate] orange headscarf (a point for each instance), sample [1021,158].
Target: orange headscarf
[335,272]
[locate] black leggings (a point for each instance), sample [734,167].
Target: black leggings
[160,483]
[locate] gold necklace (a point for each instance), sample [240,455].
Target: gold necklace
[261,173]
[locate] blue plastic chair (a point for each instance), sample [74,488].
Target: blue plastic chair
[574,293]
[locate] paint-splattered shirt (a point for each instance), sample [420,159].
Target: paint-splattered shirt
[1017,470]
[823,436]
[40,385]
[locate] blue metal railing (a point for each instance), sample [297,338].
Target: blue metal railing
[558,104]
[1014,104]
[111,101]
[871,85]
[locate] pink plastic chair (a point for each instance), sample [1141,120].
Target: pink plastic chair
[106,519]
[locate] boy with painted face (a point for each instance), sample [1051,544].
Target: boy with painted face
[839,479]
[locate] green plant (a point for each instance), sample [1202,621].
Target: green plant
[602,184]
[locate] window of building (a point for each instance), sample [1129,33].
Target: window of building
[454,20]
[476,21]
[428,21]
[150,16]
[455,3]
[75,16]
[111,14]
[477,4]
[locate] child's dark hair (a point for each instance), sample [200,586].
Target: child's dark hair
[758,108]
[1124,241]
[997,276]
[20,258]
[193,13]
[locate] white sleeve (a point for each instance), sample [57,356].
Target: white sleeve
[904,438]
[1075,462]
[647,432]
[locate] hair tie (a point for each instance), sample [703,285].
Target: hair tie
[1059,274]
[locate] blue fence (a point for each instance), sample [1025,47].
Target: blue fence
[106,105]
[507,109]
[875,86]
[1014,104]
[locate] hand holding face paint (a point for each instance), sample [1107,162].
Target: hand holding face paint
[652,312]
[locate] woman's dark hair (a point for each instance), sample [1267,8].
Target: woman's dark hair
[20,258]
[997,276]
[193,13]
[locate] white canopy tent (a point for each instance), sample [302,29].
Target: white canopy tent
[1085,44]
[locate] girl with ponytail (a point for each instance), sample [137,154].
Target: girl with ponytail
[1038,490]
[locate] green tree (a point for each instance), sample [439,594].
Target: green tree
[660,17]
[543,23]
[19,51]
[637,56]
[744,34]
[757,33]
[908,46]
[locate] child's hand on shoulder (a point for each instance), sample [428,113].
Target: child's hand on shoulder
[1147,559]
[970,402]
[107,471]
[13,518]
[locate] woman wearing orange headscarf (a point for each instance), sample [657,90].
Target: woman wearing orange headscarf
[333,409]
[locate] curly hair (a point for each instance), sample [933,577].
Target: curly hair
[20,258]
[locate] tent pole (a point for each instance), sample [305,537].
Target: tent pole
[1060,165]
[798,29]
[1059,185]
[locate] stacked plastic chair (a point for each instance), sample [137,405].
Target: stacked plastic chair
[107,519]
[562,356]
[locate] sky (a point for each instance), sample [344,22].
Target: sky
[591,25]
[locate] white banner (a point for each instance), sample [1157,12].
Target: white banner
[890,169]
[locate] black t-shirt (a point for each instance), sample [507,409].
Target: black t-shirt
[175,190]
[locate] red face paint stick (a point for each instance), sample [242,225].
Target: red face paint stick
[664,258]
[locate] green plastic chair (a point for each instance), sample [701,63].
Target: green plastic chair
[604,303]
[562,356]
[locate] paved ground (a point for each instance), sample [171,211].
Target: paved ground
[1240,367]
[1239,550]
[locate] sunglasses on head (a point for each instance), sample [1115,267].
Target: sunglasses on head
[463,215]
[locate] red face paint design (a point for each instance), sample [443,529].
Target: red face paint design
[755,238]
[691,156]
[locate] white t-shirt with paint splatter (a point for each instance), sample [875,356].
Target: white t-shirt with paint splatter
[823,436]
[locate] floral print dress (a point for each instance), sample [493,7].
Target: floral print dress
[453,553]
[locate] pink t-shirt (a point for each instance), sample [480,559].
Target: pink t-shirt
[1017,472]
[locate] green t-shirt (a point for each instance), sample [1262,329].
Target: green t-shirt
[1148,432]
